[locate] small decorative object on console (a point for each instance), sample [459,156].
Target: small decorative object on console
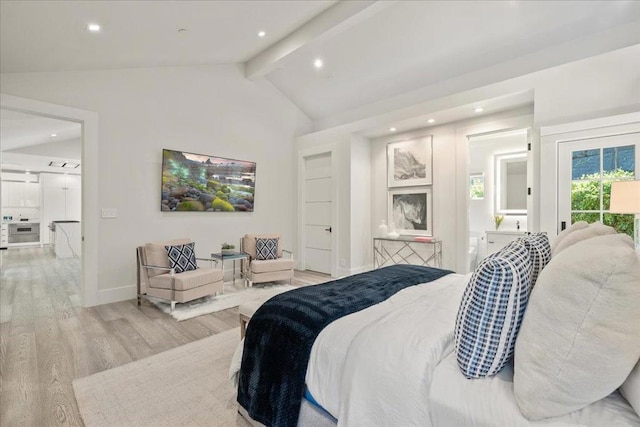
[498,220]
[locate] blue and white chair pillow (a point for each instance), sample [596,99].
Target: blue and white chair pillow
[492,309]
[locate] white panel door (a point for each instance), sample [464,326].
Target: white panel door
[317,207]
[586,169]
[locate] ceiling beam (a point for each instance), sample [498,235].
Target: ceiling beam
[337,18]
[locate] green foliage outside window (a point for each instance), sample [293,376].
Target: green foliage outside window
[476,187]
[585,196]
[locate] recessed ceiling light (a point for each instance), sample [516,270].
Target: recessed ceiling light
[392,129]
[431,121]
[479,110]
[262,34]
[53,135]
[318,63]
[56,164]
[70,165]
[94,28]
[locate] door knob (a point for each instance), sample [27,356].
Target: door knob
[328,229]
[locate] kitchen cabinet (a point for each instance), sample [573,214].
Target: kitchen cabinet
[61,199]
[20,194]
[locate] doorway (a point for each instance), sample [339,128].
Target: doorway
[40,176]
[318,209]
[498,186]
[88,283]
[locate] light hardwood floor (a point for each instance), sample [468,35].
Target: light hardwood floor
[47,340]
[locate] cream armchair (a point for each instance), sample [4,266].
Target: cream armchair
[269,270]
[156,277]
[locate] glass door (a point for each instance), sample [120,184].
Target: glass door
[586,169]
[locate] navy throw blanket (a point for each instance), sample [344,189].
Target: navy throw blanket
[278,341]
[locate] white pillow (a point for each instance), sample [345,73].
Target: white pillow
[580,336]
[564,233]
[575,236]
[630,389]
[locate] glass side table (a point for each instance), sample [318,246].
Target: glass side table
[235,256]
[406,250]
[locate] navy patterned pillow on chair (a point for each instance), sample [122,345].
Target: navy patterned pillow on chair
[266,249]
[182,257]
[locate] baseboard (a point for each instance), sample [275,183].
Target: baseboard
[123,293]
[341,272]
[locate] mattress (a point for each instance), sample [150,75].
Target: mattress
[358,359]
[458,402]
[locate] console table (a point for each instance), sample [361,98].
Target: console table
[406,250]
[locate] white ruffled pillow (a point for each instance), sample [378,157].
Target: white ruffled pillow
[630,389]
[579,234]
[580,336]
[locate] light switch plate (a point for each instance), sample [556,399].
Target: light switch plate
[109,213]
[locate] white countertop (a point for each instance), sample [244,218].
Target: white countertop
[31,221]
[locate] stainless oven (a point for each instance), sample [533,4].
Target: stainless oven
[24,233]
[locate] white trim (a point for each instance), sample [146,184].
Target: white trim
[123,293]
[89,121]
[342,272]
[590,124]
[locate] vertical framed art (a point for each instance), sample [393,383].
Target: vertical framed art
[410,210]
[409,163]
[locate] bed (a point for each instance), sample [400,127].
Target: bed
[393,364]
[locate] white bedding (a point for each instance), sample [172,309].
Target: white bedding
[458,402]
[393,365]
[360,360]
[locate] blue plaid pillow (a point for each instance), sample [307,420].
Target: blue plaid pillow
[266,248]
[491,311]
[540,251]
[182,257]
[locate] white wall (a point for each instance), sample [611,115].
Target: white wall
[447,152]
[603,85]
[210,110]
[360,245]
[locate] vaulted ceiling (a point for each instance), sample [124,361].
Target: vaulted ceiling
[372,50]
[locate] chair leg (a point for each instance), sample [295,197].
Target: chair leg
[139,300]
[173,306]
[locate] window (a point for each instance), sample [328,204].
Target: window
[476,186]
[592,172]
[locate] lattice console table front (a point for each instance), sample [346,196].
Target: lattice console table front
[405,250]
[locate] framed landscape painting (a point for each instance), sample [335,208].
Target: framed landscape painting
[410,211]
[204,183]
[409,163]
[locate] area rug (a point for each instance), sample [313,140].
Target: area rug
[184,386]
[233,296]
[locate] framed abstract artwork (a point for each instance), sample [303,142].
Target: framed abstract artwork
[410,211]
[409,163]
